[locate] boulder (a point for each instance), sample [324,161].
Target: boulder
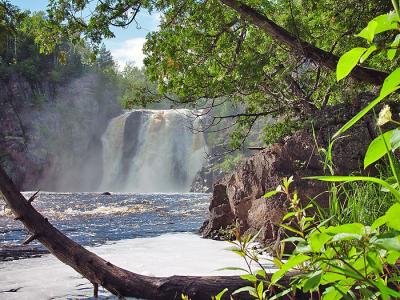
[237,198]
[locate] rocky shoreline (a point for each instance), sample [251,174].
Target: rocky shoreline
[237,198]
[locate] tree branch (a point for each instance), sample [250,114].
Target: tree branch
[303,48]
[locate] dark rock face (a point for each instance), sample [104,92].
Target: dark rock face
[238,197]
[207,175]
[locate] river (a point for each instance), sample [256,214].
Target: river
[151,234]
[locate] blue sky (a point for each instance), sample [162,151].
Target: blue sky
[127,44]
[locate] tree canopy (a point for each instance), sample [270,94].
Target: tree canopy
[265,57]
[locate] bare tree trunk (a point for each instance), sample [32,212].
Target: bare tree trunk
[301,47]
[118,281]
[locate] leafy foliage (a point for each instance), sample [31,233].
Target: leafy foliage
[206,50]
[348,260]
[25,40]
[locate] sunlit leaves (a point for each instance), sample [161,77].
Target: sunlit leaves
[378,148]
[348,61]
[290,264]
[378,25]
[391,84]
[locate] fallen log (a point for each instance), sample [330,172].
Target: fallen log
[98,271]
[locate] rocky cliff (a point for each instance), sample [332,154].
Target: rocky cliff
[238,197]
[47,131]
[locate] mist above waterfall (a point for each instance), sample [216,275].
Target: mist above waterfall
[151,151]
[80,140]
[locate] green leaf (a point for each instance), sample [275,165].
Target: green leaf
[337,291]
[378,222]
[386,290]
[261,273]
[249,277]
[291,229]
[331,293]
[220,294]
[383,183]
[254,237]
[279,295]
[249,289]
[391,83]
[378,25]
[352,228]
[329,277]
[293,239]
[395,140]
[391,53]
[393,217]
[374,261]
[302,248]
[377,149]
[392,257]
[386,22]
[368,32]
[348,61]
[277,262]
[232,269]
[312,282]
[318,240]
[271,193]
[346,236]
[260,290]
[288,215]
[290,264]
[358,116]
[238,252]
[392,243]
[367,53]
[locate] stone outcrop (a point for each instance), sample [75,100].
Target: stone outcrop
[238,197]
[209,173]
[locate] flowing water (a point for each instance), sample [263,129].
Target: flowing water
[151,151]
[93,219]
[151,234]
[149,225]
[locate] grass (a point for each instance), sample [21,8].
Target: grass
[357,202]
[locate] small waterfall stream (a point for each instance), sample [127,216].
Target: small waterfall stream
[151,151]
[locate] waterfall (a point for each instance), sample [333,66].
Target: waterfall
[113,141]
[151,151]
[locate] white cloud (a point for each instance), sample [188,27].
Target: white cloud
[129,51]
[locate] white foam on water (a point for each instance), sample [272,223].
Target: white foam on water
[165,255]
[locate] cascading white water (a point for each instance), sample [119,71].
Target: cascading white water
[158,154]
[113,141]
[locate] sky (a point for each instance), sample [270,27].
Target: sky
[127,44]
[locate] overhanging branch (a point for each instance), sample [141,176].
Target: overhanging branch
[303,48]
